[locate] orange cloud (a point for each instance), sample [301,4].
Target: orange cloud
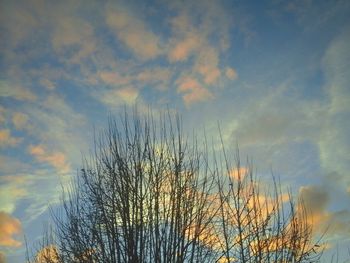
[186,40]
[7,140]
[132,32]
[193,91]
[9,226]
[56,159]
[239,174]
[182,49]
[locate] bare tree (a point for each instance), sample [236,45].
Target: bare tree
[259,223]
[148,193]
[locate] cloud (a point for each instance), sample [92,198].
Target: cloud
[117,97]
[19,24]
[157,77]
[55,159]
[72,32]
[192,91]
[317,200]
[182,49]
[231,73]
[50,126]
[128,95]
[239,174]
[12,188]
[154,76]
[132,32]
[16,91]
[34,188]
[334,141]
[47,83]
[186,38]
[9,226]
[196,39]
[20,120]
[207,64]
[114,78]
[7,140]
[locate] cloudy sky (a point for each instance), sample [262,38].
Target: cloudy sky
[275,75]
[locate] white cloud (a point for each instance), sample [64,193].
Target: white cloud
[121,96]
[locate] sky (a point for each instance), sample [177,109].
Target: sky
[273,74]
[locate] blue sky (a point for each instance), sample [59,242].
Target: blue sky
[274,74]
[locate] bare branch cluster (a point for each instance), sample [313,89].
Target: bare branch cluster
[150,194]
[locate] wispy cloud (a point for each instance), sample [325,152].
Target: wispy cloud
[16,91]
[12,189]
[334,142]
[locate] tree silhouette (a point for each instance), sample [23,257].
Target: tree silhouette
[149,193]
